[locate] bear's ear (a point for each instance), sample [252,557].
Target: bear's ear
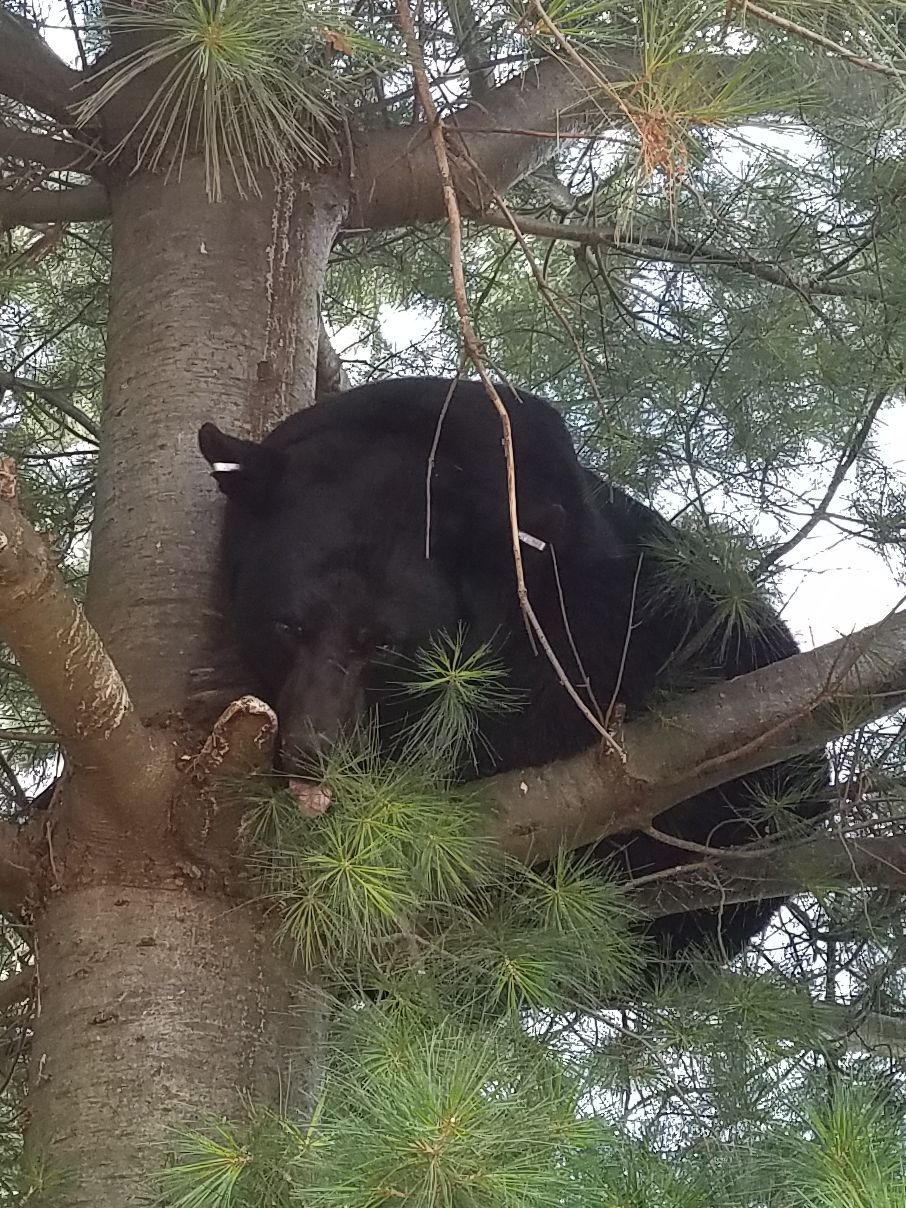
[243,470]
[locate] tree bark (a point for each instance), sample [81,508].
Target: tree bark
[156,1008]
[213,315]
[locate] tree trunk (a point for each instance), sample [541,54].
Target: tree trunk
[213,316]
[157,1006]
[161,994]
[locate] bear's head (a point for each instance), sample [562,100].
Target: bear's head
[336,575]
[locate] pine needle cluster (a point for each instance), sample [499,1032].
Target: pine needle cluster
[397,884]
[248,84]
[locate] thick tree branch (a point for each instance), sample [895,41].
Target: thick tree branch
[63,659]
[677,250]
[31,73]
[707,738]
[54,153]
[56,398]
[826,861]
[87,203]
[397,181]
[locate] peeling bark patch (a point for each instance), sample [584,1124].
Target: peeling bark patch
[105,709]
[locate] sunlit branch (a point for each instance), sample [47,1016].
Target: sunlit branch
[62,657]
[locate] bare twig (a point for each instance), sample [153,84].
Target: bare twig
[74,26]
[746,8]
[676,250]
[543,287]
[475,354]
[853,449]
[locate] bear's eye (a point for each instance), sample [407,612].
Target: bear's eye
[291,629]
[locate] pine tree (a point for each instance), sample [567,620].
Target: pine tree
[682,222]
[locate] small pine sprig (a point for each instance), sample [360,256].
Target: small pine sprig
[455,688]
[394,846]
[561,938]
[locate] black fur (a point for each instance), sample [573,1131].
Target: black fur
[324,543]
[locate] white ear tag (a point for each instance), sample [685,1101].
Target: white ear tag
[225,467]
[534,542]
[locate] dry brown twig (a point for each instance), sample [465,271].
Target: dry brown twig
[475,353]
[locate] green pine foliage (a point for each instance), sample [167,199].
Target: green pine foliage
[229,83]
[398,880]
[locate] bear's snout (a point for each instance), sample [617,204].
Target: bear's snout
[321,700]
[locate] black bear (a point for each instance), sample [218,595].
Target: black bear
[363,526]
